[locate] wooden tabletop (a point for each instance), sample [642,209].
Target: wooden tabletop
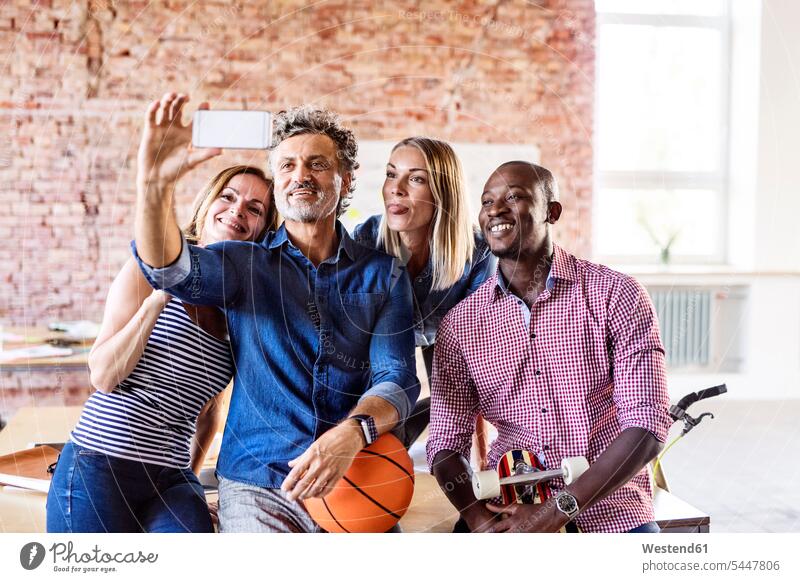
[39,335]
[44,424]
[24,510]
[673,514]
[32,336]
[430,511]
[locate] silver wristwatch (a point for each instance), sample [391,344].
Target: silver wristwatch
[567,504]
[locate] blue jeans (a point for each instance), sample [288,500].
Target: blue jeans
[649,527]
[94,492]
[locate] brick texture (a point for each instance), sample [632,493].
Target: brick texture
[42,388]
[75,77]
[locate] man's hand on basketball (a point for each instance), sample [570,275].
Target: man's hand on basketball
[319,469]
[528,518]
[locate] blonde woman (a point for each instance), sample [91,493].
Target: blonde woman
[159,366]
[427,223]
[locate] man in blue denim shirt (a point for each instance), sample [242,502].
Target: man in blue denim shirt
[321,327]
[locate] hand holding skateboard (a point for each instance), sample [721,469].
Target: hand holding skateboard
[519,470]
[521,478]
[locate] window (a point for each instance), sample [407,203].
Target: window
[662,116]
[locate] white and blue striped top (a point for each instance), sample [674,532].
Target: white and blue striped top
[151,415]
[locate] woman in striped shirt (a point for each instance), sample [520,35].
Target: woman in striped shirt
[159,365]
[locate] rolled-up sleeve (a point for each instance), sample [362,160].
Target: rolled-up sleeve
[169,276]
[394,394]
[200,275]
[391,351]
[454,400]
[640,379]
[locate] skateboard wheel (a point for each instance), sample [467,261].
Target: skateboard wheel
[573,468]
[486,484]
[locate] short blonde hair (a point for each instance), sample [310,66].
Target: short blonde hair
[453,242]
[194,230]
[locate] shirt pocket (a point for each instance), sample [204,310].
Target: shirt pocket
[357,314]
[362,299]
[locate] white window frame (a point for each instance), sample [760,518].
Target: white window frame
[718,180]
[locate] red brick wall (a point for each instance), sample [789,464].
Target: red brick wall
[42,388]
[75,78]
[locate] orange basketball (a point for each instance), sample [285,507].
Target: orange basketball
[374,493]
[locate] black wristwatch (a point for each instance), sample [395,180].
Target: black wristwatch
[567,504]
[367,426]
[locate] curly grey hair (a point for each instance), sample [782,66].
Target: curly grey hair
[307,119]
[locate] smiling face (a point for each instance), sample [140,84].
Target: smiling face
[515,215]
[407,194]
[307,179]
[239,212]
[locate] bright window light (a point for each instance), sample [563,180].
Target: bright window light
[658,108]
[661,127]
[673,222]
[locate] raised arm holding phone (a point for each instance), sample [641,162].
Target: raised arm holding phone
[159,365]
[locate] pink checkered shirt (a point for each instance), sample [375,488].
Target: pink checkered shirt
[588,365]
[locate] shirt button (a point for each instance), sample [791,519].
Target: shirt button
[538,372]
[546,447]
[533,336]
[544,411]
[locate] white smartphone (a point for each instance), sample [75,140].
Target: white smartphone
[240,130]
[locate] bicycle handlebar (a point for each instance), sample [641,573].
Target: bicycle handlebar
[678,411]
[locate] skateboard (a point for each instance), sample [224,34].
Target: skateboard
[521,478]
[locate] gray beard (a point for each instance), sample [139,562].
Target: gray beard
[305,212]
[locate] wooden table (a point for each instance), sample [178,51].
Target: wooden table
[48,381]
[23,511]
[674,515]
[42,425]
[430,511]
[40,335]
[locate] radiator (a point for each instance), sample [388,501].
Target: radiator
[684,317]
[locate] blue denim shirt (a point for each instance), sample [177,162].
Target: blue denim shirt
[308,343]
[430,307]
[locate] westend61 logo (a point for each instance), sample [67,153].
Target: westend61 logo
[66,559]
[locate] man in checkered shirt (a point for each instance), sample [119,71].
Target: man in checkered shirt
[563,357]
